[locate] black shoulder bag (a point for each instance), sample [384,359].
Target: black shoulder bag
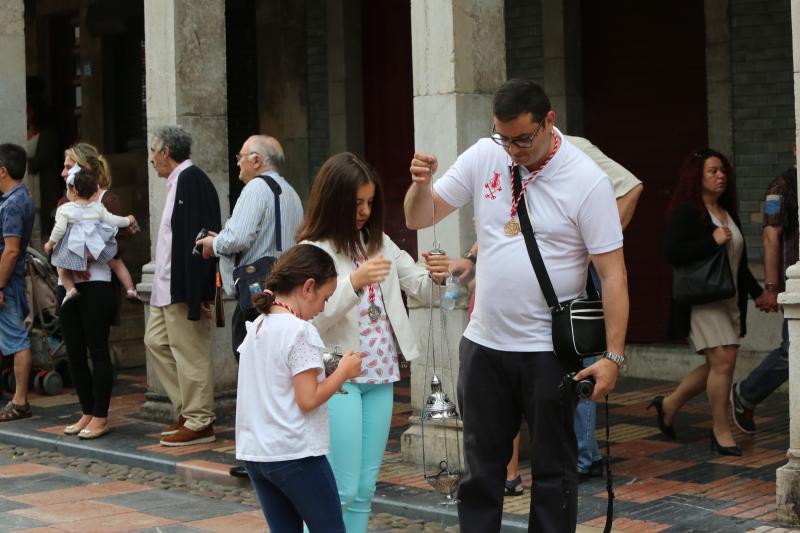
[251,279]
[703,281]
[579,329]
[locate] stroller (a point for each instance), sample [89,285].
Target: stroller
[49,355]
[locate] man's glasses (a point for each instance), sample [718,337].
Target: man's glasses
[240,156]
[525,141]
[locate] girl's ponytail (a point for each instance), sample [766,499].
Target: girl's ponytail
[262,301]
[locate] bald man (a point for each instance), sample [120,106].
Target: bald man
[250,233]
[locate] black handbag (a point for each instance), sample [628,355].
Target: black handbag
[252,278]
[703,281]
[579,328]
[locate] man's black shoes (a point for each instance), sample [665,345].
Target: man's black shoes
[595,471]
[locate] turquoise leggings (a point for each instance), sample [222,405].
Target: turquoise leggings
[359,425]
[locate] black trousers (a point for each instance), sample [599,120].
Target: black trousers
[238,331]
[494,389]
[85,324]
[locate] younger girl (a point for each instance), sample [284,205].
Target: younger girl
[84,230]
[281,416]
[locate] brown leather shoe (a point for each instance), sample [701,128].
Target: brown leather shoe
[186,437]
[173,428]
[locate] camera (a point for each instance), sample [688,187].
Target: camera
[583,388]
[198,248]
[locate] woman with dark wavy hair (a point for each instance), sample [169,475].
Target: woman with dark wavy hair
[702,218]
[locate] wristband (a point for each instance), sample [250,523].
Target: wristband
[472,257]
[771,286]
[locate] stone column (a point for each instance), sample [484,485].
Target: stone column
[12,63]
[186,85]
[345,76]
[788,476]
[718,75]
[458,49]
[562,65]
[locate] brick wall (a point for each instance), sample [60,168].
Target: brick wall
[317,69]
[763,104]
[524,52]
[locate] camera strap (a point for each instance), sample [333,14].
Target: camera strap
[609,479]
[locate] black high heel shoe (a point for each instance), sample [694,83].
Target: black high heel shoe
[658,403]
[723,450]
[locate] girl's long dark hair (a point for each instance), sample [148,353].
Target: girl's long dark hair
[689,189]
[331,211]
[297,264]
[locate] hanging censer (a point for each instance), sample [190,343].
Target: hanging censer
[439,421]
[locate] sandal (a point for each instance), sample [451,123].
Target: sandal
[514,486]
[12,411]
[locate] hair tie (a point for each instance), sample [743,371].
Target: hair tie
[267,291]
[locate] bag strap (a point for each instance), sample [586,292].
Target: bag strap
[530,243]
[276,192]
[536,256]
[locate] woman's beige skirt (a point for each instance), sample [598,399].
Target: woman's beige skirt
[714,324]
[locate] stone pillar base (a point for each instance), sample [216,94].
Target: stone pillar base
[442,440]
[411,441]
[158,407]
[788,494]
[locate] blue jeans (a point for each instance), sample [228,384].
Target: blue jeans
[297,491]
[359,426]
[769,375]
[585,422]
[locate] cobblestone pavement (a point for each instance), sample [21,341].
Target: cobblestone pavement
[660,484]
[48,492]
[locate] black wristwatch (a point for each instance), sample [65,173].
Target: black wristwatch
[472,257]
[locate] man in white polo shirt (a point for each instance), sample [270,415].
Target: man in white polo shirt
[507,364]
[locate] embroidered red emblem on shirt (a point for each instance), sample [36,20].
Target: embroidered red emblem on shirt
[493,186]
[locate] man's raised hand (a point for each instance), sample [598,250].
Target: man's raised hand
[423,167]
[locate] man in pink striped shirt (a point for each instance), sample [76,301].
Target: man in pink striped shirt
[178,334]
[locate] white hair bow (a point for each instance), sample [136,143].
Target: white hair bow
[71,174]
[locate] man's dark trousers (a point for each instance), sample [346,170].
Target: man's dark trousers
[494,388]
[238,330]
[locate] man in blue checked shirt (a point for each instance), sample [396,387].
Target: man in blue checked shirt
[16,226]
[249,234]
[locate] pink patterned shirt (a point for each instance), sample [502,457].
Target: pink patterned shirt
[378,348]
[161,295]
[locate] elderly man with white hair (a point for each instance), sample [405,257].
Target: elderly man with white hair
[250,233]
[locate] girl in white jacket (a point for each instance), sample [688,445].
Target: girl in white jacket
[365,314]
